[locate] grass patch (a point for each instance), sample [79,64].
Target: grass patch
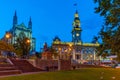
[81,74]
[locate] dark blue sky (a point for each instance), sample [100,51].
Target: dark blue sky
[51,18]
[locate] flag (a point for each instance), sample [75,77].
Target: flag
[75,4]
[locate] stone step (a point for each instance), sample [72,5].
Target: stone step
[6,65]
[10,72]
[25,66]
[7,68]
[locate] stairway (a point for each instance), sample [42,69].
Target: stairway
[8,69]
[25,66]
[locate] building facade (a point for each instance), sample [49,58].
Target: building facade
[20,30]
[76,50]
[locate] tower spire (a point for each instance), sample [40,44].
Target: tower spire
[15,19]
[76,22]
[30,23]
[76,31]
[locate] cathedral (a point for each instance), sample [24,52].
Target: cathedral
[76,50]
[20,30]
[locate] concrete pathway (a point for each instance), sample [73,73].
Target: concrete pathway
[23,74]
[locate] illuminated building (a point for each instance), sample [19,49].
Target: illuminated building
[76,50]
[20,30]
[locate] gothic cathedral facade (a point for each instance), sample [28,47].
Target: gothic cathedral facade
[20,30]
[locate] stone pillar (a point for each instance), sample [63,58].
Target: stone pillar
[81,55]
[64,64]
[59,64]
[74,56]
[94,54]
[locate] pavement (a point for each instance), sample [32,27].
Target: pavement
[22,74]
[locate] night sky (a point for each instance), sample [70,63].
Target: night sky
[51,18]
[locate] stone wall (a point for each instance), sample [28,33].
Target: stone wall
[45,64]
[32,61]
[53,64]
[65,64]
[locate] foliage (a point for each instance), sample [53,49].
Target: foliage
[6,47]
[110,32]
[110,9]
[95,39]
[22,47]
[38,55]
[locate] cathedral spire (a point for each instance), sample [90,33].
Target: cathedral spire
[30,23]
[15,19]
[15,13]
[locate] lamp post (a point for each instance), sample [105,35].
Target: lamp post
[8,41]
[28,46]
[28,41]
[8,36]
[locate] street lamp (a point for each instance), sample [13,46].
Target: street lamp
[8,35]
[28,41]
[27,49]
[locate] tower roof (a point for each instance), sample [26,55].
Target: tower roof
[30,23]
[76,22]
[76,13]
[15,13]
[30,19]
[56,38]
[15,18]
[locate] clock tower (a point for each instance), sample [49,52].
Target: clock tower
[76,31]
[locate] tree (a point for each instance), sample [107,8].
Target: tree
[110,32]
[95,39]
[22,46]
[6,47]
[110,10]
[38,54]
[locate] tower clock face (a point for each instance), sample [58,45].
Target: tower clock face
[77,34]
